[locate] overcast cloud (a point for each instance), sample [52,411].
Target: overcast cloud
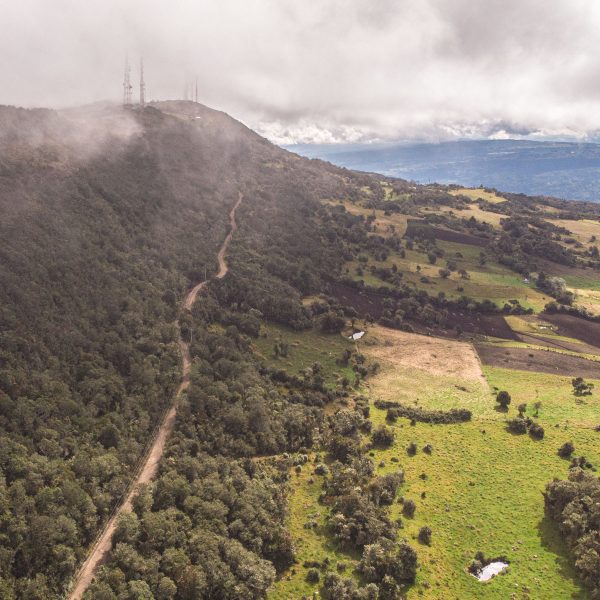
[322,70]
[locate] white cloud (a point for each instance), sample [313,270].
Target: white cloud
[333,70]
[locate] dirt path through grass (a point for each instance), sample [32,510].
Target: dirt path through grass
[149,464]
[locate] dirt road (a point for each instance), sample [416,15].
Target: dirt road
[149,467]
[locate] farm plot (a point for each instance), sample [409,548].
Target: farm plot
[541,361]
[489,281]
[478,489]
[478,193]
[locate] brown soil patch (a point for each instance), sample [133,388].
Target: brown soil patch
[445,235]
[491,325]
[574,327]
[558,344]
[541,361]
[558,270]
[437,356]
[365,303]
[371,303]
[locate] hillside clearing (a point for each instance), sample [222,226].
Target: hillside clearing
[435,356]
[477,193]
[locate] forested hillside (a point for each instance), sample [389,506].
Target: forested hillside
[110,215]
[107,217]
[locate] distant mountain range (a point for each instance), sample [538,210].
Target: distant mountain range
[562,169]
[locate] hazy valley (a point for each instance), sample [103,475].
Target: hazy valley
[546,168]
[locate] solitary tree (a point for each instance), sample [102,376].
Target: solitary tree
[425,535]
[566,450]
[581,388]
[383,437]
[408,508]
[536,431]
[503,399]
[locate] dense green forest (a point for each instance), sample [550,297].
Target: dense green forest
[108,216]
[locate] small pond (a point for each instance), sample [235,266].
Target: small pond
[490,570]
[356,336]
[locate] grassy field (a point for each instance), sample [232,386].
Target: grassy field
[383,225]
[491,281]
[310,544]
[390,194]
[582,230]
[589,299]
[482,486]
[477,193]
[305,348]
[532,346]
[484,216]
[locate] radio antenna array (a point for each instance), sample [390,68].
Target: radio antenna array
[127,87]
[142,84]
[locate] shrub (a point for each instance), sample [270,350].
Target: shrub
[321,469]
[383,489]
[331,323]
[356,522]
[454,415]
[392,415]
[536,431]
[581,388]
[408,508]
[566,450]
[383,437]
[313,576]
[385,560]
[518,426]
[503,399]
[425,535]
[411,449]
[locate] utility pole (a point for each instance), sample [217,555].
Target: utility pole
[127,87]
[142,84]
[196,94]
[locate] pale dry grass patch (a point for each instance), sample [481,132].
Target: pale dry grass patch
[436,356]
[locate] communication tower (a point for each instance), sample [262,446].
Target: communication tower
[142,84]
[127,87]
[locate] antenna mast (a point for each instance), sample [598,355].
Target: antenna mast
[196,92]
[127,84]
[142,84]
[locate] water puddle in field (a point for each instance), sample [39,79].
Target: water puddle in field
[491,570]
[356,336]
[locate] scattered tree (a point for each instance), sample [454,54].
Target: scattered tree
[566,450]
[503,399]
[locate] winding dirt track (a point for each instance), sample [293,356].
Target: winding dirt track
[149,466]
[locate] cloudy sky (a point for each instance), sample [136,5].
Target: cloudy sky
[322,70]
